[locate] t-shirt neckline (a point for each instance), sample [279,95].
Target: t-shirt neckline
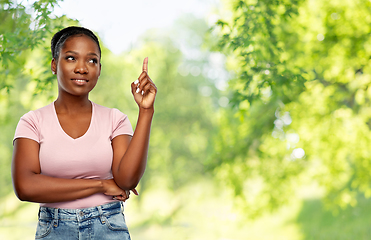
[60,126]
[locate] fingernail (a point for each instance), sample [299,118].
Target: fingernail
[138,90]
[142,92]
[136,81]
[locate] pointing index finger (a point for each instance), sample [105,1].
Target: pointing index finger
[145,65]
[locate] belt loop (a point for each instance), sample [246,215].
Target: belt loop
[56,217]
[102,218]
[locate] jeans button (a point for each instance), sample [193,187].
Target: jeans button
[81,214]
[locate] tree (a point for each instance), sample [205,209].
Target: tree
[20,32]
[301,91]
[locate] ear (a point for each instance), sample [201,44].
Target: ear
[54,66]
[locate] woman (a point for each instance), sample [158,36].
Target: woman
[79,160]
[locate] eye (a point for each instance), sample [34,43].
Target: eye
[71,58]
[93,60]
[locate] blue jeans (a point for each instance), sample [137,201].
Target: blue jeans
[102,222]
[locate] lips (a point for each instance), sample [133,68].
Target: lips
[80,81]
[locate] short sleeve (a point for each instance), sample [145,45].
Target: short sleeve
[28,127]
[121,124]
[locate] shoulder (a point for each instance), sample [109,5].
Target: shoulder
[106,111]
[117,121]
[35,116]
[31,123]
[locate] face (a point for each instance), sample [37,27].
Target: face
[78,66]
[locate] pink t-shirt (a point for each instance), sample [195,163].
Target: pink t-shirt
[87,157]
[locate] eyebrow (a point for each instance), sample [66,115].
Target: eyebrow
[73,52]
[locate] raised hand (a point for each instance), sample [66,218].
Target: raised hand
[143,89]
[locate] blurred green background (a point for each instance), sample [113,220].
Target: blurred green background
[262,123]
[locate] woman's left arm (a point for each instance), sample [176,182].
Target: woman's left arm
[130,153]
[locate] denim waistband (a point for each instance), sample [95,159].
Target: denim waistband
[82,214]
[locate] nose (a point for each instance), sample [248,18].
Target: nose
[81,67]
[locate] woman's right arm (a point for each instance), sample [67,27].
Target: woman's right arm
[32,186]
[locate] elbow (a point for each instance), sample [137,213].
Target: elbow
[127,180]
[23,193]
[23,197]
[127,184]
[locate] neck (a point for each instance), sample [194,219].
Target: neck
[72,104]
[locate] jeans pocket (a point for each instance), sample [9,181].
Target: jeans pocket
[43,228]
[116,222]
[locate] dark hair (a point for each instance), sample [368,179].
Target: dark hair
[60,38]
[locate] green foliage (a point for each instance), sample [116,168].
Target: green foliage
[260,36]
[20,32]
[302,93]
